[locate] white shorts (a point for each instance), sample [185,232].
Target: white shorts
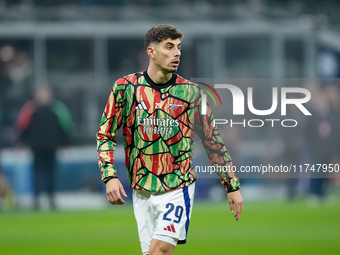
[163,216]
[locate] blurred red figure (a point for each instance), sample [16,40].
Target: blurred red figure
[44,124]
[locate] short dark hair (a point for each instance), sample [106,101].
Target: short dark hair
[161,32]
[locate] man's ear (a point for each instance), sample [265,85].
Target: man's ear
[150,51]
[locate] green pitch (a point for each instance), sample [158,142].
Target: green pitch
[265,228]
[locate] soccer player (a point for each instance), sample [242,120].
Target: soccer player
[160,111]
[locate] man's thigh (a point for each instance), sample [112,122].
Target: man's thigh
[163,216]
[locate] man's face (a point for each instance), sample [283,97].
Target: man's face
[166,54]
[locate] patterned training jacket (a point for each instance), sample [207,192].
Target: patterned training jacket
[159,121]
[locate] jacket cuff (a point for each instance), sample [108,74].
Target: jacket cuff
[106,179]
[232,184]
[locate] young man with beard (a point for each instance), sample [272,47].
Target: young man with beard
[160,111]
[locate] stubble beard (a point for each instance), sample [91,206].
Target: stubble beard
[167,69]
[171,69]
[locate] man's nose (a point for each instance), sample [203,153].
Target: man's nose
[177,53]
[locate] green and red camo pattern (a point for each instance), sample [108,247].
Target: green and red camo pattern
[158,131]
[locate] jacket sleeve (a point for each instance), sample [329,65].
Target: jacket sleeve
[216,150]
[24,119]
[65,121]
[106,136]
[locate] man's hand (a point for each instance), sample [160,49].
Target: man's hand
[235,198]
[113,190]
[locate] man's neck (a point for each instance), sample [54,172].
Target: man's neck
[158,76]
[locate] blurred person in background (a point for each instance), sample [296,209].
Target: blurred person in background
[44,124]
[16,79]
[333,94]
[6,195]
[322,136]
[292,151]
[5,84]
[2,98]
[20,71]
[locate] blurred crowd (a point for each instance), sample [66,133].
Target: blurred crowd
[16,87]
[315,142]
[322,139]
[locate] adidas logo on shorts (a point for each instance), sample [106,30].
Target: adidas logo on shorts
[170,228]
[141,106]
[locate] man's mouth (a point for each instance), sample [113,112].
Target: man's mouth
[175,62]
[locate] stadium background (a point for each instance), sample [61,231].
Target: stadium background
[80,47]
